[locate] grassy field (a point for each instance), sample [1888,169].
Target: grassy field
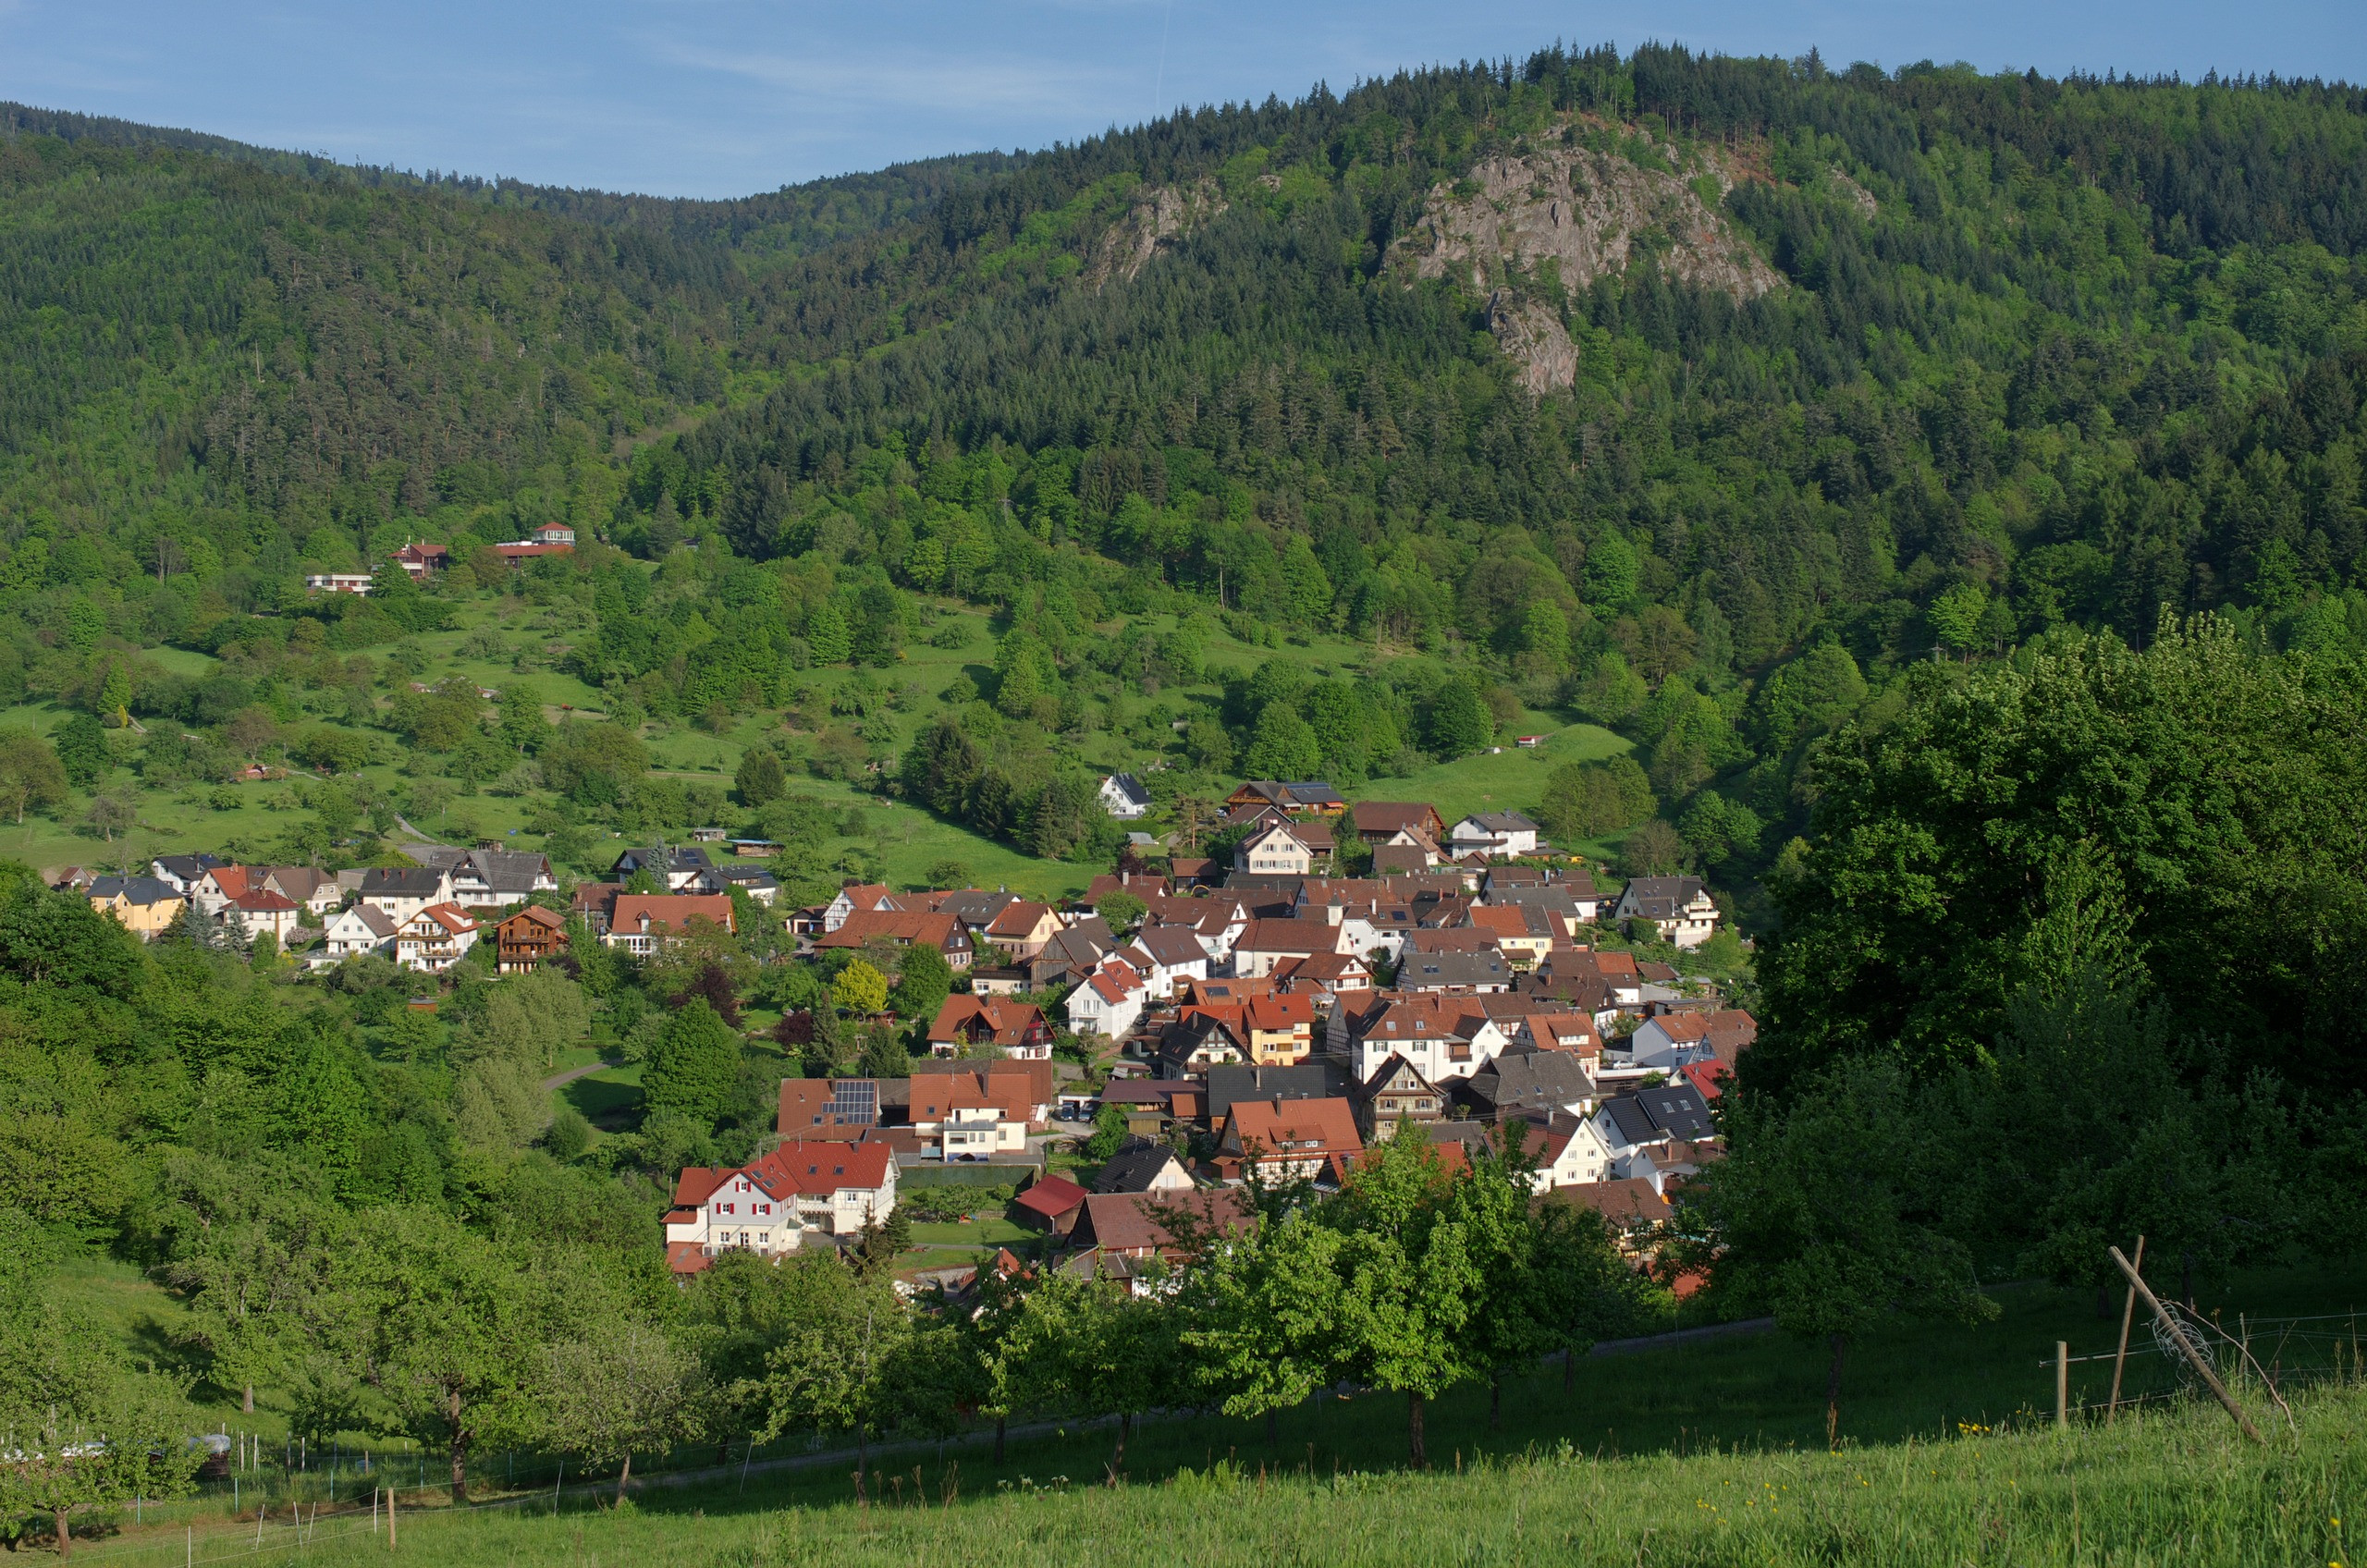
[1708,1452]
[1705,1453]
[254,816]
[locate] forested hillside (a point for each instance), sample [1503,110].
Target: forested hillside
[1820,363]
[1927,505]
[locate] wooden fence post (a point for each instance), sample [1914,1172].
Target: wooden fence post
[2121,1356]
[2062,1384]
[2194,1357]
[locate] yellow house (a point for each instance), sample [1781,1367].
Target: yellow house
[144,905]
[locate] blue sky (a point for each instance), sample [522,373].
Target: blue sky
[724,97]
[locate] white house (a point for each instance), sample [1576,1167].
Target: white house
[491,879]
[435,938]
[1680,906]
[766,1207]
[260,909]
[1670,1041]
[1273,850]
[1573,1154]
[403,891]
[1123,797]
[1109,1002]
[1169,953]
[1440,1036]
[364,929]
[978,1133]
[869,896]
[1497,833]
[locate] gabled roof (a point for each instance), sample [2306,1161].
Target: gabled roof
[1629,1203]
[904,926]
[1127,787]
[1662,898]
[1389,816]
[686,858]
[1533,1081]
[401,882]
[1678,1110]
[1440,970]
[452,918]
[1305,1081]
[1288,937]
[1499,822]
[263,901]
[1052,1196]
[638,912]
[992,1019]
[536,916]
[1173,946]
[1273,1014]
[377,922]
[1138,1164]
[1293,1127]
[1128,1222]
[505,871]
[139,890]
[1019,918]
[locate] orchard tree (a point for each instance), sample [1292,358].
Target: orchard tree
[449,1325]
[31,778]
[1409,1284]
[695,1066]
[78,1428]
[1825,1214]
[860,989]
[626,1388]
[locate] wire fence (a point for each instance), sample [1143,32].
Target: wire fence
[306,1496]
[2258,1357]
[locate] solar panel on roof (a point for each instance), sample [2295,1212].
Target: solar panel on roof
[855,1102]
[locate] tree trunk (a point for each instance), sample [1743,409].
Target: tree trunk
[460,1453]
[247,1401]
[624,1474]
[1416,1450]
[1495,1399]
[1001,1422]
[862,1465]
[65,1534]
[1118,1457]
[1832,1391]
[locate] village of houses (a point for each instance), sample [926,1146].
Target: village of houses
[1259,1014]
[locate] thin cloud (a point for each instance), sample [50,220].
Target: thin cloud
[958,85]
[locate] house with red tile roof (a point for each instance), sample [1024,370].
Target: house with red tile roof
[766,1206]
[640,923]
[1288,1137]
[260,909]
[1052,1204]
[903,929]
[1111,1001]
[435,938]
[1125,1236]
[1282,1029]
[967,1023]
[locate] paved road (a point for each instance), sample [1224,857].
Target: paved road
[572,1074]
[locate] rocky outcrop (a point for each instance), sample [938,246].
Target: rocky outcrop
[1160,217]
[1853,193]
[1531,332]
[1589,212]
